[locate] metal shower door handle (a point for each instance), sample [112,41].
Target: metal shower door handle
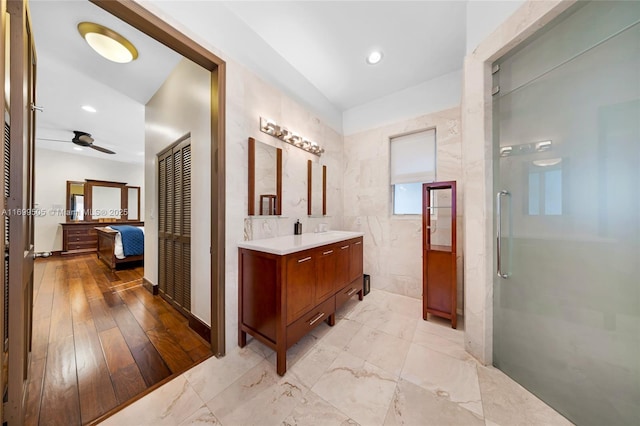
[499,232]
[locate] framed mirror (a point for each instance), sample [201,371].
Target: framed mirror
[316,189]
[133,205]
[102,201]
[265,179]
[75,201]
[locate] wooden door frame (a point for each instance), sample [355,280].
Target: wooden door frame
[22,97]
[145,21]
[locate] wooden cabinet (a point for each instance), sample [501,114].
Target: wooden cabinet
[81,237]
[439,288]
[283,297]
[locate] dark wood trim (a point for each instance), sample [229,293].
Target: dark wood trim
[145,21]
[56,253]
[97,182]
[149,286]
[324,190]
[309,185]
[251,150]
[278,181]
[218,205]
[197,325]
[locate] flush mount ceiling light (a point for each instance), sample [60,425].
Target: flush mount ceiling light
[108,43]
[374,57]
[89,108]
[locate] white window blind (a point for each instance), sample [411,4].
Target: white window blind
[413,158]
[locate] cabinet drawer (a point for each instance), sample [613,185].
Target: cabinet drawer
[78,231]
[309,321]
[348,292]
[81,245]
[83,238]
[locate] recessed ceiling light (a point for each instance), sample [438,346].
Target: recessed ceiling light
[108,43]
[89,108]
[77,148]
[374,57]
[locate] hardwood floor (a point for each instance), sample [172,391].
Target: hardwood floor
[99,339]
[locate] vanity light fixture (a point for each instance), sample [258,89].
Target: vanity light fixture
[374,57]
[271,128]
[108,43]
[89,108]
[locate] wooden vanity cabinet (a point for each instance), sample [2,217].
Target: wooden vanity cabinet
[283,297]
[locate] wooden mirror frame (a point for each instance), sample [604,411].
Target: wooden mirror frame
[88,194]
[310,185]
[252,179]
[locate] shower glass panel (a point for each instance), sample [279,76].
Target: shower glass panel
[567,186]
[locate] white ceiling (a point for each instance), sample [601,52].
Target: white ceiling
[313,50]
[70,74]
[328,42]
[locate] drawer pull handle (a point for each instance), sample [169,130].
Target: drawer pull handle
[304,260]
[328,252]
[351,292]
[345,247]
[359,242]
[316,318]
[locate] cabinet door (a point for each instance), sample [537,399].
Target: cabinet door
[300,285]
[355,264]
[343,274]
[327,270]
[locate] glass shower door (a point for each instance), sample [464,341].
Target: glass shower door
[567,187]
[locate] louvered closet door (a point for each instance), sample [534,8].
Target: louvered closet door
[175,224]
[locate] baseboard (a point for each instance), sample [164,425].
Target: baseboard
[56,253]
[149,286]
[199,327]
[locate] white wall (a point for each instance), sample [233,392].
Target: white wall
[180,106]
[54,169]
[431,96]
[393,244]
[483,17]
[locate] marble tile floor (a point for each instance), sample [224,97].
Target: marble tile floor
[381,364]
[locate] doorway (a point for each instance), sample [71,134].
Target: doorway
[144,21]
[567,154]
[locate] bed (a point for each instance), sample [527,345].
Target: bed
[111,249]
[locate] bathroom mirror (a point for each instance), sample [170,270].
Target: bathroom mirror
[316,189]
[265,179]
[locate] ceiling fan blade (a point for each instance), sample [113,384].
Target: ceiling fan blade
[101,149]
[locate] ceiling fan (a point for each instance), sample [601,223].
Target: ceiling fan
[83,139]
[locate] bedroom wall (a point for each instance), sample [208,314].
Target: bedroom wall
[180,106]
[54,169]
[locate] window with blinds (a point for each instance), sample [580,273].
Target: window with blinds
[413,162]
[174,223]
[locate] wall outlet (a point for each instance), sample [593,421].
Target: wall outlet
[358,221]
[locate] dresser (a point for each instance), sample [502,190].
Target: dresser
[82,237]
[289,285]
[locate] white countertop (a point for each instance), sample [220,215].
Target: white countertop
[294,243]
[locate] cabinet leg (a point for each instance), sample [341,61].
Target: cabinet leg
[281,360]
[361,295]
[331,320]
[242,338]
